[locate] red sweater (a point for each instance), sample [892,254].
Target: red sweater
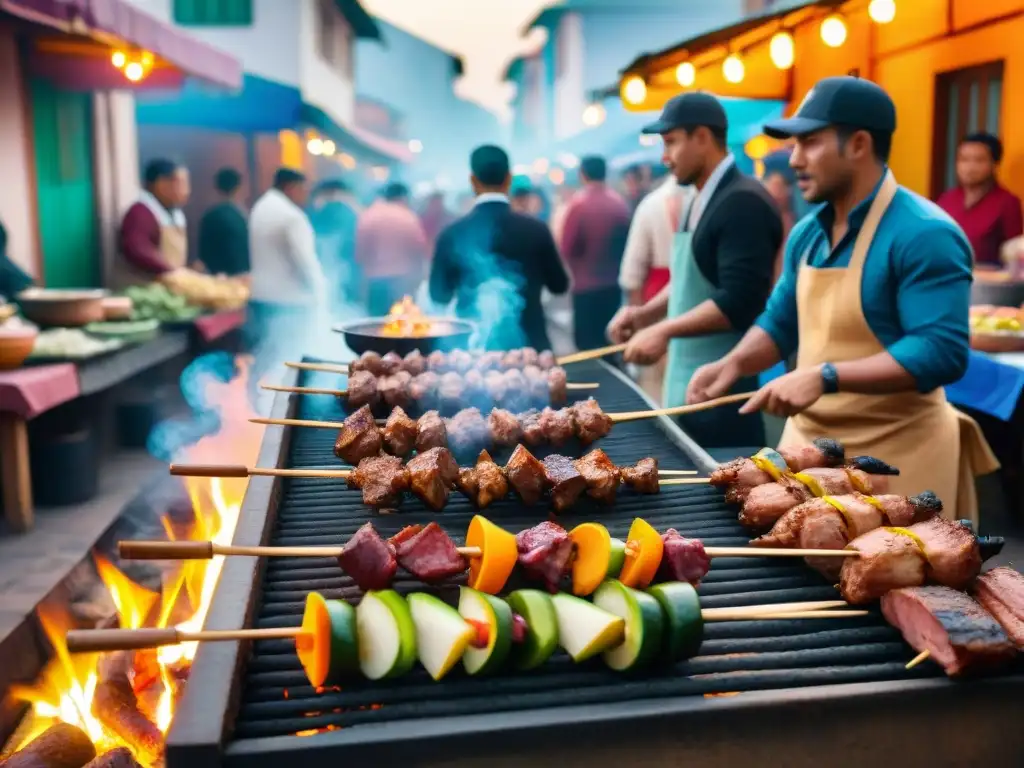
[140,240]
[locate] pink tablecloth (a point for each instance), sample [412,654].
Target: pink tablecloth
[212,327]
[31,391]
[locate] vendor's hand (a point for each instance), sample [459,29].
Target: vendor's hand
[711,381]
[648,346]
[789,394]
[625,323]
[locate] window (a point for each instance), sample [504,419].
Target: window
[334,38]
[966,100]
[213,13]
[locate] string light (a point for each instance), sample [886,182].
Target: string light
[733,70]
[315,146]
[328,148]
[686,74]
[882,11]
[133,71]
[634,90]
[782,50]
[593,115]
[833,31]
[119,59]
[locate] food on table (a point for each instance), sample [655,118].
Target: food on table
[358,437]
[209,291]
[431,475]
[986,318]
[1001,593]
[71,344]
[563,481]
[597,557]
[484,483]
[428,553]
[442,635]
[368,559]
[684,623]
[383,479]
[832,522]
[644,625]
[740,475]
[457,361]
[132,331]
[157,302]
[644,551]
[937,551]
[498,555]
[493,626]
[766,503]
[684,559]
[584,629]
[538,627]
[400,432]
[328,649]
[431,432]
[386,635]
[956,631]
[545,553]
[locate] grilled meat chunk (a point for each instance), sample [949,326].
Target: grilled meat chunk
[952,627]
[643,476]
[423,389]
[743,474]
[530,357]
[484,483]
[414,363]
[513,359]
[450,391]
[533,432]
[431,432]
[537,382]
[467,430]
[460,361]
[394,389]
[590,422]
[489,361]
[517,391]
[400,433]
[382,479]
[475,393]
[557,385]
[429,554]
[437,361]
[684,559]
[545,553]
[362,389]
[564,480]
[557,426]
[504,428]
[358,438]
[525,474]
[601,474]
[496,386]
[390,364]
[1001,593]
[370,362]
[431,476]
[951,551]
[546,359]
[368,559]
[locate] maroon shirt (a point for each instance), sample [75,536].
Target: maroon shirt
[140,240]
[594,238]
[988,223]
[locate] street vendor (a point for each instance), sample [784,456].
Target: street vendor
[873,299]
[721,268]
[153,239]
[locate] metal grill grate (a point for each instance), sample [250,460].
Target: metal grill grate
[276,700]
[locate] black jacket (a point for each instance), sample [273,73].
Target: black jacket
[495,263]
[735,244]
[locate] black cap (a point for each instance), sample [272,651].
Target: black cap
[690,110]
[847,101]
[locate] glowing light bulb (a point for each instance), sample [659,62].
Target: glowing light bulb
[593,115]
[415,146]
[634,90]
[833,31]
[782,50]
[134,71]
[882,11]
[118,59]
[315,146]
[686,74]
[733,70]
[328,148]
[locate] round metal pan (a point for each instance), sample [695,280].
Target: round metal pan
[364,336]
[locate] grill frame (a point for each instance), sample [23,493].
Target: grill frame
[873,717]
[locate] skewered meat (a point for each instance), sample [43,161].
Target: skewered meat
[460,361]
[400,433]
[504,427]
[484,483]
[394,390]
[362,389]
[414,363]
[642,477]
[601,474]
[937,550]
[831,523]
[475,388]
[558,384]
[431,476]
[368,559]
[467,430]
[382,479]
[545,553]
[556,426]
[513,359]
[390,364]
[489,361]
[428,553]
[744,473]
[497,386]
[546,359]
[537,381]
[564,480]
[589,421]
[533,432]
[955,629]
[437,361]
[517,390]
[423,389]
[1001,593]
[525,474]
[358,437]
[370,362]
[451,390]
[684,559]
[431,432]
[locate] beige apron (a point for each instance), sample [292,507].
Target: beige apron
[173,250]
[936,447]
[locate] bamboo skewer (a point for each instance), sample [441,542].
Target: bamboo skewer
[680,409]
[920,658]
[571,386]
[106,640]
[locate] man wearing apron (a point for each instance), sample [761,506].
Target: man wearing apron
[153,239]
[721,267]
[873,298]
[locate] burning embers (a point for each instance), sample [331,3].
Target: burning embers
[125,701]
[405,319]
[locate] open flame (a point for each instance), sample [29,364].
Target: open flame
[66,689]
[406,319]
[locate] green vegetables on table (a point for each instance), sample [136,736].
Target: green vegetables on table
[156,302]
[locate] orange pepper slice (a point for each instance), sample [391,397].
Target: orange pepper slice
[313,645]
[593,555]
[644,549]
[498,555]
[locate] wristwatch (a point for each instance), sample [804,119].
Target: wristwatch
[829,379]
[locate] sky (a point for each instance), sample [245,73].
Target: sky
[484,32]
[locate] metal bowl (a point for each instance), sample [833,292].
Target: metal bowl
[446,334]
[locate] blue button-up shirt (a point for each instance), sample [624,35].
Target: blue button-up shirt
[916,289]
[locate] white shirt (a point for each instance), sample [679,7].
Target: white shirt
[708,190]
[649,244]
[282,251]
[490,197]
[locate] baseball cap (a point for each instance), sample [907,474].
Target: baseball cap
[689,110]
[848,101]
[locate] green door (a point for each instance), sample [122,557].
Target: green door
[63,136]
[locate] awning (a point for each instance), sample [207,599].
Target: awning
[118,21]
[379,148]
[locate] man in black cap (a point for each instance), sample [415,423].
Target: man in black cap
[873,299]
[721,268]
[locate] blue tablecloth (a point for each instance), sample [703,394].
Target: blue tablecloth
[992,384]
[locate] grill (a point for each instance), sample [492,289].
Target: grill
[789,687]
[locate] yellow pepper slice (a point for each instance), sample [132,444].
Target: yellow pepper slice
[910,535]
[838,506]
[874,502]
[858,484]
[644,549]
[498,555]
[812,485]
[770,462]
